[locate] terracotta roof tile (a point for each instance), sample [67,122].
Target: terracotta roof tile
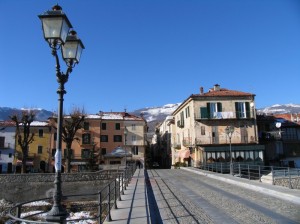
[224,92]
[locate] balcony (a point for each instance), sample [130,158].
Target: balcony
[223,115]
[187,142]
[177,145]
[180,124]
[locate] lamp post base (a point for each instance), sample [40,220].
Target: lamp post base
[57,214]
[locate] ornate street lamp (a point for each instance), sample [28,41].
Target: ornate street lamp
[56,29]
[125,134]
[229,131]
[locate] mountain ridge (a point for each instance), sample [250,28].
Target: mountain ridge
[152,115]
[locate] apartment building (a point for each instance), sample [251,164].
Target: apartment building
[201,129]
[101,134]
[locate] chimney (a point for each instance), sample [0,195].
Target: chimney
[201,90]
[216,87]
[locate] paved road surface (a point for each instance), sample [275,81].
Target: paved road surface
[183,197]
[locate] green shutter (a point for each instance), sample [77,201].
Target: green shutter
[203,112]
[237,114]
[247,109]
[219,106]
[208,109]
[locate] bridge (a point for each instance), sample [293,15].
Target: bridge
[190,195]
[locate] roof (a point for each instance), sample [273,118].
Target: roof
[114,116]
[222,92]
[215,92]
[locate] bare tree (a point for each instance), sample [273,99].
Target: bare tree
[70,126]
[23,135]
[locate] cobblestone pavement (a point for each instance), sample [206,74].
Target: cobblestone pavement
[185,198]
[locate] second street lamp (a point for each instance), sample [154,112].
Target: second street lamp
[56,29]
[229,131]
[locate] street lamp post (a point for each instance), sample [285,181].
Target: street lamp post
[125,135]
[229,131]
[56,28]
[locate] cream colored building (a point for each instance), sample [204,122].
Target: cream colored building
[200,122]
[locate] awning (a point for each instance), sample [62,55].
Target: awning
[184,154]
[28,163]
[78,163]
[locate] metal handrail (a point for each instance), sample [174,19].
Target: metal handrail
[274,175]
[106,198]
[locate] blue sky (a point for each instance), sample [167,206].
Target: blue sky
[145,53]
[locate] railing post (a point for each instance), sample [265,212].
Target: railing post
[115,196]
[259,174]
[108,203]
[100,208]
[122,183]
[249,174]
[19,211]
[221,168]
[119,186]
[273,180]
[240,173]
[290,179]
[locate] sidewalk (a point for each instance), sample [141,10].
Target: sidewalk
[138,205]
[284,193]
[134,206]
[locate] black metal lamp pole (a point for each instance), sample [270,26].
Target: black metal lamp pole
[56,28]
[229,131]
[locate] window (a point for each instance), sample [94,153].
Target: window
[103,138]
[187,112]
[86,126]
[86,138]
[55,136]
[103,126]
[117,126]
[53,152]
[133,126]
[103,151]
[117,138]
[133,138]
[71,153]
[135,150]
[242,109]
[2,140]
[9,155]
[202,130]
[40,149]
[41,133]
[85,153]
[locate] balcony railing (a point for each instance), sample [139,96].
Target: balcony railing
[223,115]
[187,142]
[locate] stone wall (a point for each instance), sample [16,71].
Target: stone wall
[24,187]
[294,182]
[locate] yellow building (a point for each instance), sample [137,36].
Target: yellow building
[39,150]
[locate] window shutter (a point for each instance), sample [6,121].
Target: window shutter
[237,114]
[208,110]
[247,109]
[219,107]
[203,112]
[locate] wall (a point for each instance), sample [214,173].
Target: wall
[25,187]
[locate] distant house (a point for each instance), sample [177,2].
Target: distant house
[200,122]
[39,154]
[7,147]
[280,133]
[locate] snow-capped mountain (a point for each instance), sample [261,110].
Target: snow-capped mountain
[281,109]
[153,115]
[41,114]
